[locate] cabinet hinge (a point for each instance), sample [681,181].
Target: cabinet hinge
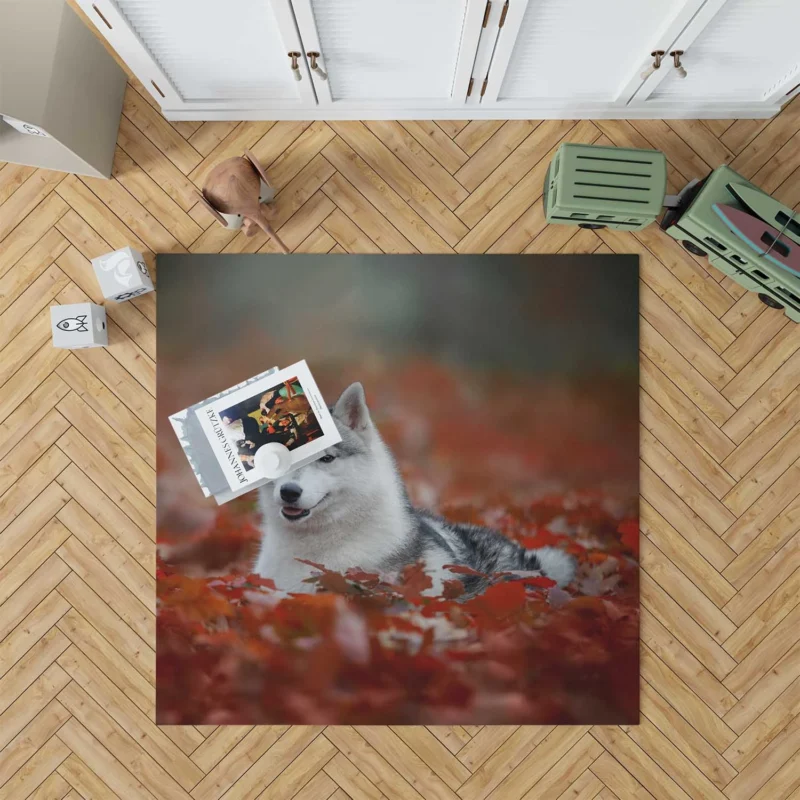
[469,88]
[483,88]
[486,13]
[503,15]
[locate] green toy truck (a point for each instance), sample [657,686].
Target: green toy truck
[700,230]
[612,187]
[605,187]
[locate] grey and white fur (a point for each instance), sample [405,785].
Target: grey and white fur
[350,509]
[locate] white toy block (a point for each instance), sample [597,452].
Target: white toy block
[78,325]
[122,274]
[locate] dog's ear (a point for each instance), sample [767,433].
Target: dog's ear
[351,408]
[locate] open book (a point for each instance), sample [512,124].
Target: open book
[222,434]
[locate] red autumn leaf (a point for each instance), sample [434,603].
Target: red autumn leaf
[333,582]
[539,582]
[320,567]
[359,576]
[542,538]
[501,599]
[414,581]
[452,589]
[629,532]
[460,569]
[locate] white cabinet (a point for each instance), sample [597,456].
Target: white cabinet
[384,59]
[745,52]
[410,54]
[585,58]
[576,53]
[221,57]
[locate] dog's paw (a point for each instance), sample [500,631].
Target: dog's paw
[556,564]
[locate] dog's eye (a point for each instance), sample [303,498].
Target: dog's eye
[327,458]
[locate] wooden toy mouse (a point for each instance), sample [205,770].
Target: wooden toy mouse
[233,194]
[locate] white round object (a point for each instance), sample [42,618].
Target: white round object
[233,221]
[273,460]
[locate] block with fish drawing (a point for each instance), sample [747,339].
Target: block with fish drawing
[78,325]
[122,275]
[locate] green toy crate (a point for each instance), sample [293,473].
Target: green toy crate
[702,232]
[605,187]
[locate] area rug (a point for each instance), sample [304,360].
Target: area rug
[479,518]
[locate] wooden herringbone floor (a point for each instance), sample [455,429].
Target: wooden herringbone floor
[720,435]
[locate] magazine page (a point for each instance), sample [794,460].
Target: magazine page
[286,407]
[197,447]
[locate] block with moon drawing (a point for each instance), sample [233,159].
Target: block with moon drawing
[78,325]
[122,274]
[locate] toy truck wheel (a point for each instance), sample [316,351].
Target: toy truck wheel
[592,226]
[769,301]
[694,249]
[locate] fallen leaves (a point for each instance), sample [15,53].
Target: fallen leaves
[629,531]
[361,648]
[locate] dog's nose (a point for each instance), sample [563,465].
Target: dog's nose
[290,492]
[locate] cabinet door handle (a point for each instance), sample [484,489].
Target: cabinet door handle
[676,58]
[657,56]
[313,56]
[295,65]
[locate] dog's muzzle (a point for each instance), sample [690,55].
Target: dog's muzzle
[294,513]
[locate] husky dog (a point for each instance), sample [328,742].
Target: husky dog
[350,509]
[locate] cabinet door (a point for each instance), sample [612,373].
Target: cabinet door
[206,54]
[746,51]
[411,55]
[570,54]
